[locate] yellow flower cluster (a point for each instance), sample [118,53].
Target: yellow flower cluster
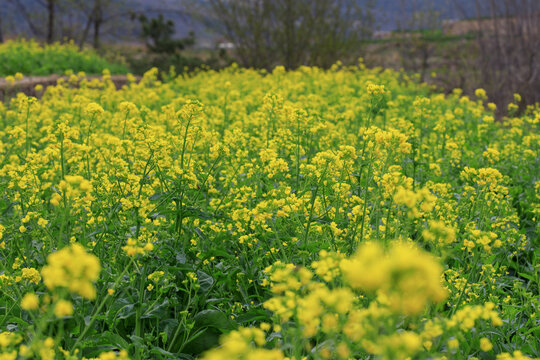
[417,202]
[359,308]
[30,302]
[516,355]
[63,308]
[133,247]
[465,318]
[373,89]
[439,232]
[244,344]
[72,268]
[406,278]
[31,275]
[8,345]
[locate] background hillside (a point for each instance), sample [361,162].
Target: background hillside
[192,16]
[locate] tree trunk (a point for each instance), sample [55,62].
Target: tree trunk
[84,35]
[50,24]
[97,25]
[98,20]
[1,33]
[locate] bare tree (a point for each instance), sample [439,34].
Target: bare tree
[80,20]
[94,14]
[99,16]
[245,23]
[28,16]
[418,35]
[293,32]
[33,21]
[86,29]
[507,36]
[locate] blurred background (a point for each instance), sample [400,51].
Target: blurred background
[466,44]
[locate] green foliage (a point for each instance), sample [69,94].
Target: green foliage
[30,58]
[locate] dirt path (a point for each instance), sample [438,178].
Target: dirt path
[27,84]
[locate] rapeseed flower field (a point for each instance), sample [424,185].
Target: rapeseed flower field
[348,213]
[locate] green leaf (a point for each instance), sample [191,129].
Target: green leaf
[251,316]
[213,318]
[157,311]
[202,341]
[159,351]
[205,281]
[108,337]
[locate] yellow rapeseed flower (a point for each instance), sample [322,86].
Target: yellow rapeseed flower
[72,268]
[30,302]
[63,308]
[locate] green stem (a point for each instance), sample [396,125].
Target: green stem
[177,331]
[366,191]
[100,306]
[138,320]
[27,134]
